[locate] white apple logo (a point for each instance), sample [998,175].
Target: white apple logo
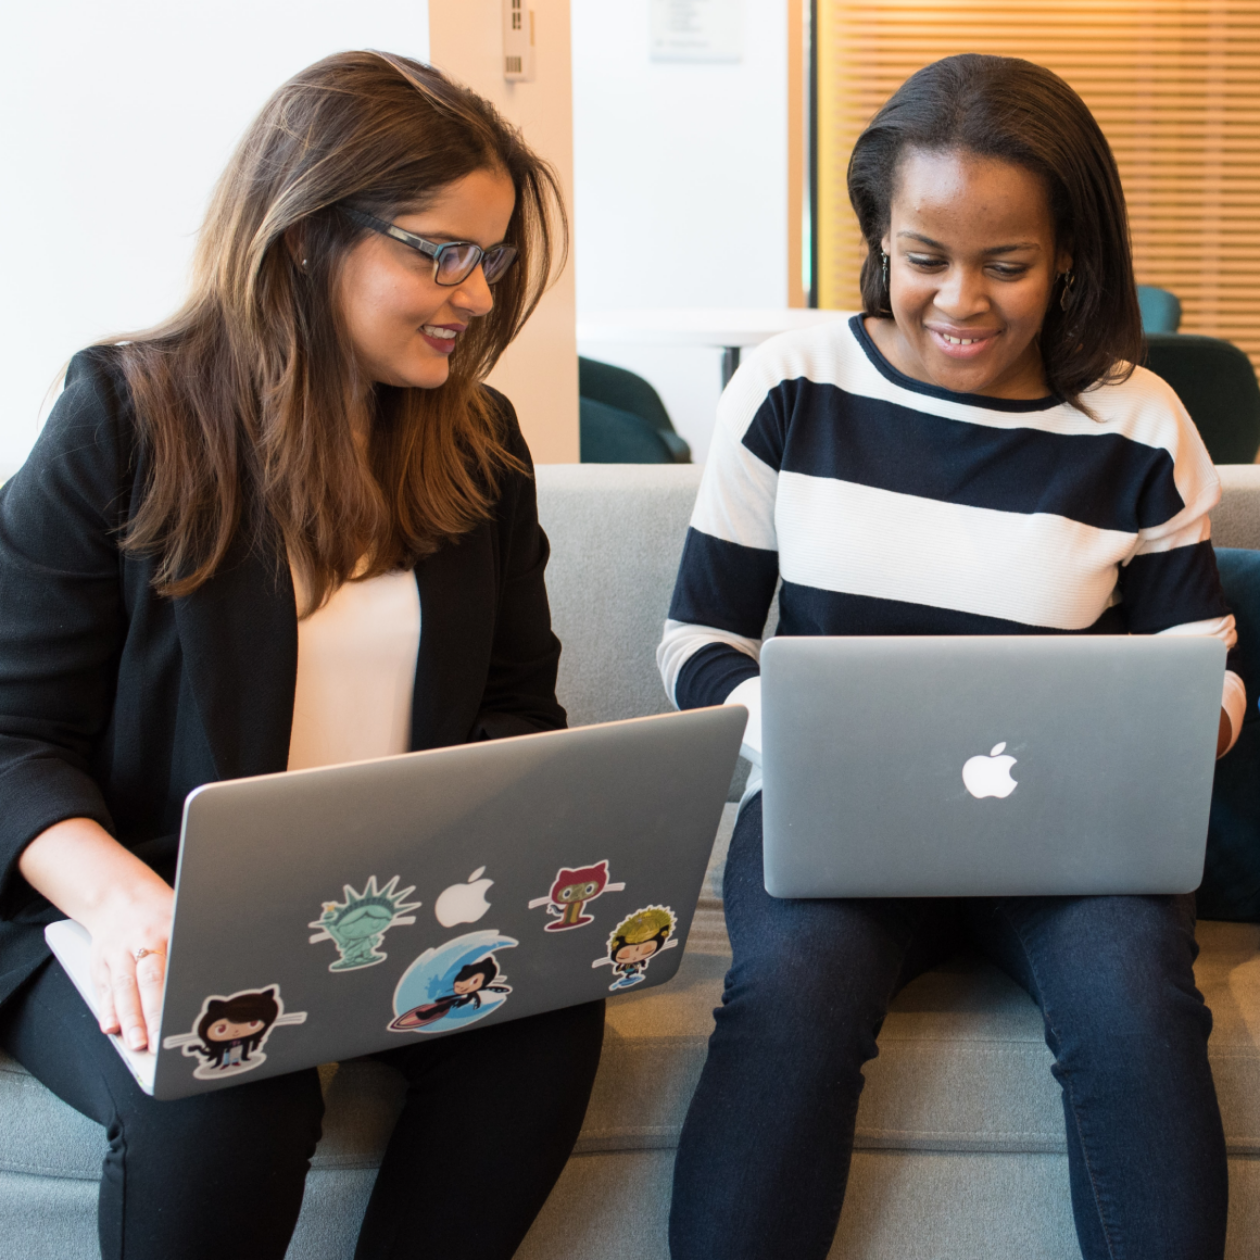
[991,775]
[463,903]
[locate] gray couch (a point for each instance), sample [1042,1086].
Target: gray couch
[960,1133]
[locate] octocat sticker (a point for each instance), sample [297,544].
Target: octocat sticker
[452,985]
[229,1034]
[571,891]
[635,941]
[357,925]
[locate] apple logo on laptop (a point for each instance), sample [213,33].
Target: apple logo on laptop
[991,775]
[463,903]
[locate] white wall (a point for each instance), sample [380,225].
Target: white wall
[680,186]
[538,371]
[117,119]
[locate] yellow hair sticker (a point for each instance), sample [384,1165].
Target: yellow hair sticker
[645,924]
[635,942]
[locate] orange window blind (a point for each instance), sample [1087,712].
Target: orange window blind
[1174,84]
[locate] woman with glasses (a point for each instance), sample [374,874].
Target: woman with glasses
[288,527]
[975,453]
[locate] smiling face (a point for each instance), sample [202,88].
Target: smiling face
[403,326]
[972,267]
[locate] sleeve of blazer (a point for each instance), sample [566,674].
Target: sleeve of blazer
[63,618]
[520,694]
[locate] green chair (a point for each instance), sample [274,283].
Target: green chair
[1161,310]
[609,435]
[1217,384]
[623,420]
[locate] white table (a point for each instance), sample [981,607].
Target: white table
[729,329]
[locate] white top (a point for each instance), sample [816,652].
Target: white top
[356,673]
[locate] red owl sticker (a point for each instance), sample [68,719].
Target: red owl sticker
[574,888]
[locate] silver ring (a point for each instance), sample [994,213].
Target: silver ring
[144,953]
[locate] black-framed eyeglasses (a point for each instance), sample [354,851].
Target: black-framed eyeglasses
[454,261]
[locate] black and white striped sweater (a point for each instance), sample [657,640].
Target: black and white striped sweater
[887,506]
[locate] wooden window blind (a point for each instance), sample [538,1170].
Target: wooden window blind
[1174,84]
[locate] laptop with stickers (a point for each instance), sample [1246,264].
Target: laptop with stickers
[330,913]
[988,765]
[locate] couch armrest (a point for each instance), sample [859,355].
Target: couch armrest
[1236,520]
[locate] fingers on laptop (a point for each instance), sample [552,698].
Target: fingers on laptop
[106,1014]
[150,977]
[129,984]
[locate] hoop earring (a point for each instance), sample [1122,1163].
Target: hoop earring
[1069,279]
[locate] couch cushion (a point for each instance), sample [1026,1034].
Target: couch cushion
[39,1134]
[42,1136]
[617,532]
[898,1206]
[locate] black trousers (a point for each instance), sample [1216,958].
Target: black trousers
[489,1120]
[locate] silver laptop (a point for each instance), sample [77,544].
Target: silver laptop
[984,766]
[331,913]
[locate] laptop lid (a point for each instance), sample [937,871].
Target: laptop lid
[330,913]
[988,765]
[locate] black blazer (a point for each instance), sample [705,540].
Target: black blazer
[115,703]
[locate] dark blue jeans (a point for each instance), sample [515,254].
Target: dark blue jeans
[765,1150]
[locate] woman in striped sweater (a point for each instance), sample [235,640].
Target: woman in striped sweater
[976,454]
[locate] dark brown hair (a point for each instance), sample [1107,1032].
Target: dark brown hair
[1002,107]
[241,1009]
[487,969]
[248,397]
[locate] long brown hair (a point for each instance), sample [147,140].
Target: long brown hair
[248,397]
[1003,107]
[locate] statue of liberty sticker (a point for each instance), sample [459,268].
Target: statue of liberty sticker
[357,924]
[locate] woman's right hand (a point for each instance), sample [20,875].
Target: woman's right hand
[125,906]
